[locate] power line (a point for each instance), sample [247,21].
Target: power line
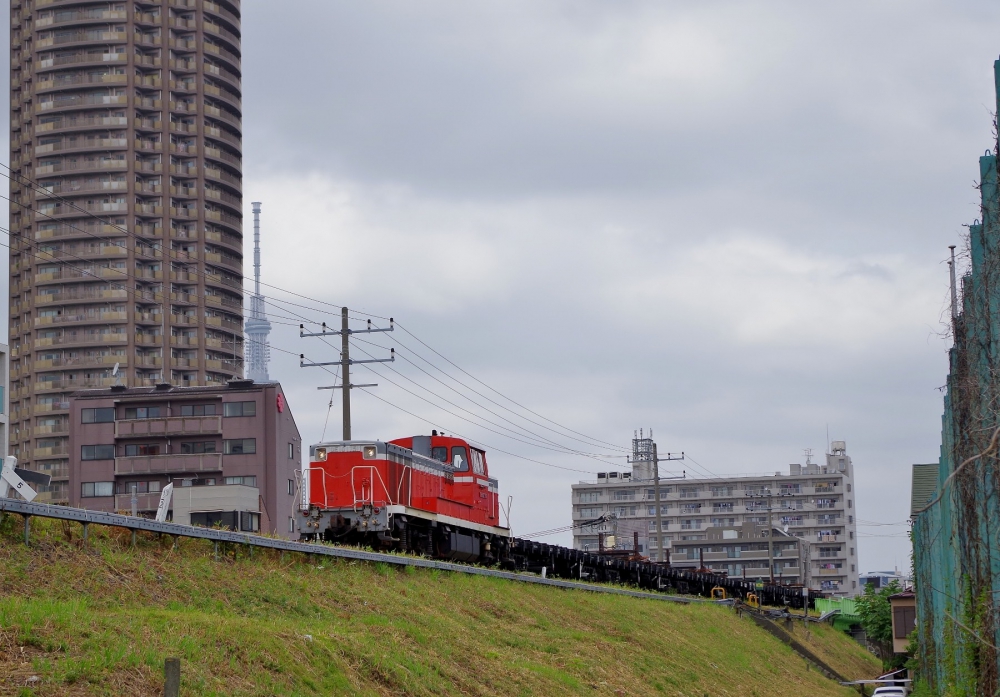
[527,434]
[476,392]
[170,255]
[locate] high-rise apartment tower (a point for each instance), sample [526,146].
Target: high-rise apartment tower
[126,215]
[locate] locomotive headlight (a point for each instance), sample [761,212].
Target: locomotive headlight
[369,452]
[320,455]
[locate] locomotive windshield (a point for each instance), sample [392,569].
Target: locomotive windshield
[439,453]
[460,458]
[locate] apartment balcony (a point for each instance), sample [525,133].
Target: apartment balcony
[78,80]
[169,426]
[82,362]
[84,166]
[83,122]
[169,464]
[58,430]
[78,230]
[82,59]
[232,241]
[83,37]
[224,260]
[223,176]
[85,318]
[221,31]
[221,11]
[81,16]
[222,52]
[85,340]
[60,451]
[223,115]
[76,188]
[51,407]
[75,101]
[74,384]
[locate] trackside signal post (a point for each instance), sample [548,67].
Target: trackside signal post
[346,361]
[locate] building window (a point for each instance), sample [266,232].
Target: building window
[240,446]
[97,452]
[624,495]
[291,487]
[93,489]
[250,522]
[97,416]
[589,496]
[142,449]
[239,409]
[142,413]
[689,492]
[291,451]
[133,487]
[198,448]
[245,481]
[198,410]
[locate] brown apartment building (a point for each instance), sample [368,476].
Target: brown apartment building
[126,214]
[235,440]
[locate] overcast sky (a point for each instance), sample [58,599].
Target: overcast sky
[725,221]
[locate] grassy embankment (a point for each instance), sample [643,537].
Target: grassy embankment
[101,620]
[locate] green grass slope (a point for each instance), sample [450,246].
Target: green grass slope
[100,620]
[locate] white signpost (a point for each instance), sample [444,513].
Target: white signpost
[161,510]
[9,479]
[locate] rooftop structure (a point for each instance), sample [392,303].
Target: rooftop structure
[126,207]
[813,501]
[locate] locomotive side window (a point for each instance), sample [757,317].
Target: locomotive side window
[440,454]
[478,463]
[460,458]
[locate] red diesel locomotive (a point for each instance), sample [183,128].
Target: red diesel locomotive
[429,495]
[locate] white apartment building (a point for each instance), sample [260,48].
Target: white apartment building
[815,502]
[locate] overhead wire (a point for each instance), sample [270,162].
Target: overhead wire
[471,389]
[534,442]
[169,254]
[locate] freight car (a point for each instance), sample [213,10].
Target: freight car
[433,496]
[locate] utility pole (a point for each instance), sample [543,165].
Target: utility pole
[644,451]
[345,371]
[770,536]
[346,361]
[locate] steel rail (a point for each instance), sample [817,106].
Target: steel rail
[79,515]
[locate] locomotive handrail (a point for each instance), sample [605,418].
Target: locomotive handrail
[354,486]
[409,485]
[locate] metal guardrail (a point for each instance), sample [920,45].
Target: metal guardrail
[85,517]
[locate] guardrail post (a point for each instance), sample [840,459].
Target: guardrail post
[86,530]
[27,530]
[172,677]
[215,545]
